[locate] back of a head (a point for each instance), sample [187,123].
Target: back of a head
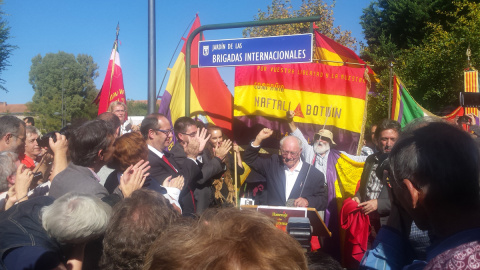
[130,148]
[227,238]
[75,218]
[136,222]
[7,168]
[87,140]
[442,158]
[29,120]
[112,120]
[10,124]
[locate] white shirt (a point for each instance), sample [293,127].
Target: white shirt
[291,177]
[159,154]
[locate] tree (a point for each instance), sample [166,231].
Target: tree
[51,74]
[5,48]
[282,9]
[415,35]
[136,108]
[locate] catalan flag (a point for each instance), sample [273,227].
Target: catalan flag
[112,88]
[471,85]
[209,96]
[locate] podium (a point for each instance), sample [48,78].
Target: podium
[282,213]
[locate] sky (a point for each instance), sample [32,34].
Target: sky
[89,26]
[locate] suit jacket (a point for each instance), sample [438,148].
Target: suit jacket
[383,200]
[201,185]
[273,170]
[77,179]
[159,170]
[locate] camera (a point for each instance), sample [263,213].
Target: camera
[464,120]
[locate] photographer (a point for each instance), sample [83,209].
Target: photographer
[433,176]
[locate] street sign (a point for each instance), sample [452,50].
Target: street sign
[256,51]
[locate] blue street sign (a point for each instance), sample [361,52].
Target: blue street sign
[256,51]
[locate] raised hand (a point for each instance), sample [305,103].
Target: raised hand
[23,181]
[264,134]
[192,147]
[290,115]
[133,178]
[202,138]
[222,149]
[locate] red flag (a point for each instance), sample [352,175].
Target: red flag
[112,88]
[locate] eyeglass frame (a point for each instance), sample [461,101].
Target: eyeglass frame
[193,134]
[166,132]
[292,154]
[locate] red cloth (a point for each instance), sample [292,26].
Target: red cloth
[27,161]
[356,224]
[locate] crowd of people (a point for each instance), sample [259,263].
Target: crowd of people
[109,195]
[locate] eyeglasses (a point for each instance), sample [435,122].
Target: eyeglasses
[193,134]
[292,154]
[21,138]
[166,132]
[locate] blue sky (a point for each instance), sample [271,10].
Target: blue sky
[88,27]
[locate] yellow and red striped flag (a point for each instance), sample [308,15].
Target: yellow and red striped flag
[209,96]
[471,85]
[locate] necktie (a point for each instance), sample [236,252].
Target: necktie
[168,162]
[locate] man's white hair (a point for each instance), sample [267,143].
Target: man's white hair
[290,136]
[76,218]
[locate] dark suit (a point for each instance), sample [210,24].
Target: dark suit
[77,179]
[273,170]
[383,200]
[159,170]
[202,185]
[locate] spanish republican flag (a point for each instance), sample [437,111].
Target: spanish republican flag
[210,98]
[112,88]
[322,96]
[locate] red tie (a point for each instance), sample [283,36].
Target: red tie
[168,162]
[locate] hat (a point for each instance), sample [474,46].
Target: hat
[326,134]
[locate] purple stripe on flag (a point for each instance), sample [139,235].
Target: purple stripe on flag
[165,106]
[400,96]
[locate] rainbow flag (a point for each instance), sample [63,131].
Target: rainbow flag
[112,88]
[210,98]
[321,95]
[404,107]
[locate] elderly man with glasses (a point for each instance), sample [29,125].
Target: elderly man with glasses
[290,181]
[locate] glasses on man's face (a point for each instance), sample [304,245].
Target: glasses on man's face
[21,138]
[193,134]
[166,132]
[287,153]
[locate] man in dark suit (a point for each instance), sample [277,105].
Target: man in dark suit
[288,177]
[186,129]
[158,134]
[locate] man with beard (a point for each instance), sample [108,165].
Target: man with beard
[372,196]
[12,134]
[318,153]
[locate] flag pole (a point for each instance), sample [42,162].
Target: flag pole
[390,91]
[236,177]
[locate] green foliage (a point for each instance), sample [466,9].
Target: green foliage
[426,40]
[282,9]
[5,48]
[136,108]
[54,72]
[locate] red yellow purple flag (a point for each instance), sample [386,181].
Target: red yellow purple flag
[330,96]
[112,88]
[209,96]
